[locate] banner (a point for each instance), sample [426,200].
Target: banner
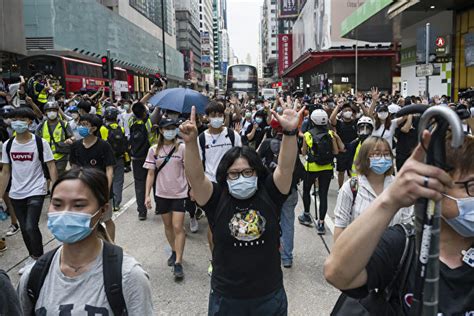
[288,8]
[285,52]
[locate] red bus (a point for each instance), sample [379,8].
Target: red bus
[73,74]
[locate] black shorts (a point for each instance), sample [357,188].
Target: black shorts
[164,206]
[344,161]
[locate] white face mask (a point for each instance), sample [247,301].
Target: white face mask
[52,115]
[382,115]
[216,122]
[347,115]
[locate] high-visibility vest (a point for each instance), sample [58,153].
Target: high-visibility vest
[59,136]
[354,170]
[312,166]
[151,136]
[42,96]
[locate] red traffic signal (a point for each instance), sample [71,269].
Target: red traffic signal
[105,66]
[104,59]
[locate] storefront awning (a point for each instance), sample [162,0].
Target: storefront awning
[311,60]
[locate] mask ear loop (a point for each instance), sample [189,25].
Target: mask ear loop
[100,218]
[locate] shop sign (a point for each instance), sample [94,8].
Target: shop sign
[285,52]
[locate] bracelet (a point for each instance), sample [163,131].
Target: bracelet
[291,133]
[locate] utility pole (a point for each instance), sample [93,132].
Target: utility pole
[427,61]
[356,66]
[111,87]
[163,35]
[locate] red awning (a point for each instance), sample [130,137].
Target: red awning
[310,60]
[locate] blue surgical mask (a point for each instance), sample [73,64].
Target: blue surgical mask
[169,134]
[279,109]
[19,126]
[243,188]
[216,122]
[258,120]
[83,131]
[70,227]
[380,165]
[463,224]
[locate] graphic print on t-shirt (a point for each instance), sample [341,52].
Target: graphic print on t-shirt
[247,225]
[22,156]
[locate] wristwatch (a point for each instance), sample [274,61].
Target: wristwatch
[290,133]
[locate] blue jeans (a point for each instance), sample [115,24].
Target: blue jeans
[287,224]
[275,304]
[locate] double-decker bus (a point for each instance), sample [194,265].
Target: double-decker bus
[242,79]
[74,74]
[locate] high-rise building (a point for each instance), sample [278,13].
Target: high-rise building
[188,38]
[206,19]
[268,38]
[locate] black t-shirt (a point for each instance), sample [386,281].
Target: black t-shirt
[246,236]
[99,156]
[406,142]
[456,286]
[347,131]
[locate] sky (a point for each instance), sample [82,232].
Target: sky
[243,18]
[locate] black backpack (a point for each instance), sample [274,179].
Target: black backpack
[139,143]
[117,140]
[30,88]
[112,271]
[386,301]
[202,144]
[321,151]
[39,145]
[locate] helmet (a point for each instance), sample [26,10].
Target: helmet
[319,117]
[51,105]
[111,113]
[366,120]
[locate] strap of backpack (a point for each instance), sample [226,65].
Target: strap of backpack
[112,270]
[231,136]
[202,144]
[38,275]
[168,157]
[354,183]
[384,129]
[39,146]
[9,149]
[403,268]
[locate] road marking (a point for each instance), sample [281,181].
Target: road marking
[124,208]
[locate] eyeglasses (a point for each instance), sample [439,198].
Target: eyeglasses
[469,186]
[246,173]
[378,156]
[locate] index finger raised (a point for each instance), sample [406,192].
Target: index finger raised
[193,114]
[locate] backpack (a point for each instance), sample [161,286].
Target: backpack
[321,151]
[202,144]
[379,303]
[112,271]
[117,140]
[39,145]
[139,143]
[30,88]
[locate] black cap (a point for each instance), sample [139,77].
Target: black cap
[381,108]
[165,122]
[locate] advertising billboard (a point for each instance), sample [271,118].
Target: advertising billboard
[288,8]
[285,52]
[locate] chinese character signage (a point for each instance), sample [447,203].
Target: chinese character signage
[288,8]
[285,52]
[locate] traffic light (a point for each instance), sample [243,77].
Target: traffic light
[105,66]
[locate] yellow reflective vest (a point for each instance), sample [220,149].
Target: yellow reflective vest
[41,96]
[59,135]
[356,154]
[312,166]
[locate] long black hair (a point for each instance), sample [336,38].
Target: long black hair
[240,152]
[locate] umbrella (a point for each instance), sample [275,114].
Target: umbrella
[180,100]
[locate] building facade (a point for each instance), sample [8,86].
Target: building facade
[130,29]
[268,39]
[206,20]
[12,45]
[188,38]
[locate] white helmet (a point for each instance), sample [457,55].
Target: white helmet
[366,120]
[319,117]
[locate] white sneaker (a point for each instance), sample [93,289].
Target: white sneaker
[12,230]
[193,225]
[30,261]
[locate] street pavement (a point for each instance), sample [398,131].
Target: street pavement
[308,293]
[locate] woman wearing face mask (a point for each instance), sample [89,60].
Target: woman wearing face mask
[79,200]
[374,166]
[374,252]
[243,208]
[165,163]
[384,126]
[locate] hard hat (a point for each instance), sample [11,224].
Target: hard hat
[319,117]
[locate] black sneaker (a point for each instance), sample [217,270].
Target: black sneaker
[172,259]
[142,216]
[305,219]
[127,169]
[287,264]
[321,228]
[178,272]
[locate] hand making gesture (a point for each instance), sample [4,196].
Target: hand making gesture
[289,119]
[188,130]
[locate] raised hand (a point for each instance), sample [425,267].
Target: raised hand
[238,127]
[375,93]
[289,119]
[188,130]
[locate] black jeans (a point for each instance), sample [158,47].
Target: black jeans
[28,212]
[324,180]
[139,175]
[275,304]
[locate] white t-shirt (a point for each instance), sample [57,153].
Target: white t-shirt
[389,132]
[85,294]
[346,211]
[123,121]
[216,147]
[27,173]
